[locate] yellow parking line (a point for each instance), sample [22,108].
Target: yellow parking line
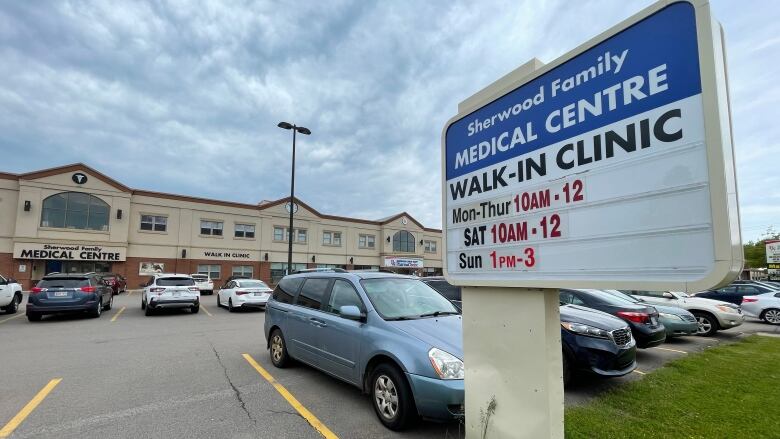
[310,418]
[26,410]
[129,293]
[205,310]
[116,316]
[640,372]
[672,350]
[11,318]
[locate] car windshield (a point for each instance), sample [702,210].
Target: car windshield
[252,284]
[175,281]
[401,298]
[623,296]
[73,282]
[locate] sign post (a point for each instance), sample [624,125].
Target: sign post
[610,167]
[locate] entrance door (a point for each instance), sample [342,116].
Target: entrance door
[53,267]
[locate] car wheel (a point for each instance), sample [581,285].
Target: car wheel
[13,306]
[34,317]
[195,309]
[98,310]
[708,324]
[148,310]
[392,397]
[230,306]
[279,356]
[143,304]
[567,372]
[219,305]
[772,316]
[110,303]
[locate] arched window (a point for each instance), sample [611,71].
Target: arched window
[403,241]
[75,210]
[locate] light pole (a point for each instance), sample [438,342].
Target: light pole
[302,130]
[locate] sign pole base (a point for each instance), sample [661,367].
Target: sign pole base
[512,354]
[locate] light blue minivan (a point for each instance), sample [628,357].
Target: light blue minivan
[392,336]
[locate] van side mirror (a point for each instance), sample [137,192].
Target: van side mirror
[668,295]
[351,312]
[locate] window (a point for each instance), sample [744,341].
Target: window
[211,271]
[75,210]
[727,290]
[154,223]
[245,231]
[285,291]
[403,241]
[366,241]
[343,294]
[312,293]
[243,270]
[451,292]
[279,270]
[280,235]
[569,298]
[212,228]
[430,246]
[331,238]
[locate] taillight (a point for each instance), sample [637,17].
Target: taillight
[194,289]
[241,292]
[636,317]
[36,290]
[156,290]
[88,289]
[748,300]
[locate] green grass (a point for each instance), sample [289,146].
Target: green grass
[732,391]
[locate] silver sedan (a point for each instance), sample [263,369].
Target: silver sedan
[763,306]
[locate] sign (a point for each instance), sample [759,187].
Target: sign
[69,252]
[151,268]
[772,251]
[22,268]
[392,261]
[79,178]
[610,167]
[226,254]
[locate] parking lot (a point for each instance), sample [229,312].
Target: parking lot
[178,374]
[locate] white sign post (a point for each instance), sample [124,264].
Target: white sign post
[611,167]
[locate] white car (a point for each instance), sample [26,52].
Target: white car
[763,306]
[712,315]
[244,293]
[204,283]
[10,295]
[170,291]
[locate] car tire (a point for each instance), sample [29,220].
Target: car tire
[392,398]
[708,324]
[96,313]
[195,309]
[110,303]
[567,372]
[143,304]
[13,306]
[230,306]
[34,317]
[278,350]
[771,316]
[148,311]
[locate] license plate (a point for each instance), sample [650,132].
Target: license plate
[176,294]
[260,294]
[60,294]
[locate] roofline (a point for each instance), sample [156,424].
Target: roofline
[143,192]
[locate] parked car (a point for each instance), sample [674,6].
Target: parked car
[10,295]
[735,292]
[764,306]
[712,315]
[642,318]
[440,284]
[170,291]
[117,282]
[234,277]
[676,320]
[595,342]
[66,293]
[767,284]
[244,293]
[390,335]
[204,283]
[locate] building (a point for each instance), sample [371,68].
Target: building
[75,219]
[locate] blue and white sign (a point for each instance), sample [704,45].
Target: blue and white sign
[599,171]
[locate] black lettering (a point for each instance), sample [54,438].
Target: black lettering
[628,144]
[658,127]
[559,156]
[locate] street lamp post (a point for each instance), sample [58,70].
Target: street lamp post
[302,130]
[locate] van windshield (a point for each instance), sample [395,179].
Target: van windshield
[402,299]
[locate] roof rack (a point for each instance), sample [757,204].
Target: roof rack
[321,270]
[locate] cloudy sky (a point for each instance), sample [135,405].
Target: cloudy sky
[184,96]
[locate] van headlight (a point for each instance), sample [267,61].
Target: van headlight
[590,331]
[446,365]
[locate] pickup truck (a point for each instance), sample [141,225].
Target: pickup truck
[10,295]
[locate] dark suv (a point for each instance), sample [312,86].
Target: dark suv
[64,293]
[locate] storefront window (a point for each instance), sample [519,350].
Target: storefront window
[366,241]
[75,210]
[243,270]
[403,241]
[278,270]
[212,271]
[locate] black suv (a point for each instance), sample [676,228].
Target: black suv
[64,293]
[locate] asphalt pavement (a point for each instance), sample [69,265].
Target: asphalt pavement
[179,374]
